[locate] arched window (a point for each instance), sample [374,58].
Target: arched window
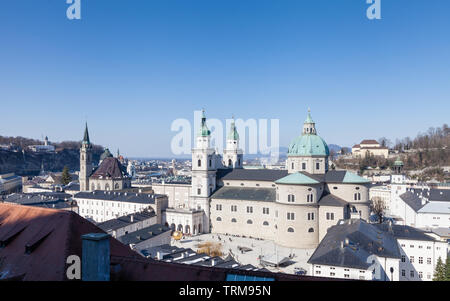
[233,220]
[219,219]
[265,224]
[210,163]
[311,230]
[230,163]
[199,163]
[303,166]
[249,222]
[291,230]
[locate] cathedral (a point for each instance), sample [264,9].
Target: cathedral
[293,207]
[109,175]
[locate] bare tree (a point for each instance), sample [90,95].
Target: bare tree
[378,208]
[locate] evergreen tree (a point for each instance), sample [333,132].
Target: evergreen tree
[66,178]
[439,273]
[447,269]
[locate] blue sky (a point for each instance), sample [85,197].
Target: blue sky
[131,67]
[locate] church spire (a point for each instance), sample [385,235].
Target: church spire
[233,134]
[204,131]
[86,135]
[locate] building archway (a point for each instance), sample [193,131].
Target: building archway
[194,230]
[187,229]
[199,228]
[180,228]
[173,227]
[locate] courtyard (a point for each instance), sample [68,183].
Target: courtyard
[249,251]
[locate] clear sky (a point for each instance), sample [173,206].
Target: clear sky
[132,67]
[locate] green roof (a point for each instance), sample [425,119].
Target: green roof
[398,162]
[86,135]
[353,178]
[204,131]
[233,134]
[297,178]
[308,118]
[308,145]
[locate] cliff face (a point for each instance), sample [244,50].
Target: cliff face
[29,163]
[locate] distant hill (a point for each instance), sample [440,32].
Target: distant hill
[26,163]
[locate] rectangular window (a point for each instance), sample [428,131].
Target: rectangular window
[303,166]
[317,166]
[199,191]
[428,260]
[403,258]
[218,207]
[403,273]
[249,209]
[233,208]
[310,216]
[411,274]
[420,260]
[290,216]
[265,210]
[411,259]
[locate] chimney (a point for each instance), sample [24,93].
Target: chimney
[95,258]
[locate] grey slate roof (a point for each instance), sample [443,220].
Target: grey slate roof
[405,232]
[245,193]
[53,200]
[112,196]
[335,176]
[364,240]
[332,200]
[123,221]
[143,234]
[412,200]
[270,175]
[437,195]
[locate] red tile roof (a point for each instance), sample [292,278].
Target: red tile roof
[35,242]
[111,168]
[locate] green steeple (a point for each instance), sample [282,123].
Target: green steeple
[308,118]
[204,131]
[233,134]
[86,136]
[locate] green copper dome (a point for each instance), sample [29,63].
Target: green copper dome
[398,162]
[106,154]
[308,145]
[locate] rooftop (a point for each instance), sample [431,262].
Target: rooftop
[351,242]
[123,221]
[113,196]
[245,193]
[143,234]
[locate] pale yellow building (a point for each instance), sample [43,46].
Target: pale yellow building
[369,147]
